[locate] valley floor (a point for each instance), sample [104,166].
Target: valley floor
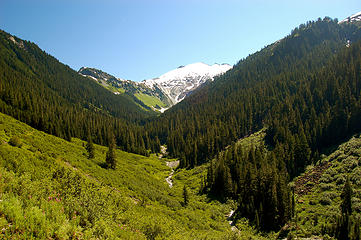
[50,189]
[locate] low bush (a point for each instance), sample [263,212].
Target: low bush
[326,186]
[340,180]
[15,141]
[356,178]
[350,162]
[326,198]
[331,171]
[326,178]
[356,203]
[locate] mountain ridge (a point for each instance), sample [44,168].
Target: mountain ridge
[180,82]
[153,99]
[37,89]
[353,18]
[166,90]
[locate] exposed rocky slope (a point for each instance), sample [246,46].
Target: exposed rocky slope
[178,83]
[162,92]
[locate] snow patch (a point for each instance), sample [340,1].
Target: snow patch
[353,18]
[178,82]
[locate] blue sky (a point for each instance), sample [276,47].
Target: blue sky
[141,39]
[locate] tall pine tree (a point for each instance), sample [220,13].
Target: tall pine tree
[110,156]
[90,147]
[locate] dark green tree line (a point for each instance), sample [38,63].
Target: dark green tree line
[37,89]
[305,88]
[258,182]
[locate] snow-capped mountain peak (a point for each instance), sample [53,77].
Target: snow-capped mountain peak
[353,18]
[178,83]
[164,91]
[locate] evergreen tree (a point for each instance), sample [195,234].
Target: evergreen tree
[185,196]
[90,147]
[293,202]
[110,156]
[346,196]
[356,231]
[344,223]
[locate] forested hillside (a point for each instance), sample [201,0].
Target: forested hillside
[304,90]
[48,95]
[328,195]
[293,81]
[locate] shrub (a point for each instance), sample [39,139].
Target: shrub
[326,198]
[152,230]
[356,176]
[350,162]
[357,207]
[356,203]
[340,180]
[341,157]
[325,201]
[36,222]
[15,141]
[332,195]
[290,236]
[310,184]
[326,178]
[12,208]
[326,186]
[357,152]
[331,171]
[33,149]
[309,168]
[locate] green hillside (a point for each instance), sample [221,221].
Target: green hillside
[304,89]
[280,85]
[317,192]
[150,101]
[147,98]
[37,89]
[319,189]
[50,189]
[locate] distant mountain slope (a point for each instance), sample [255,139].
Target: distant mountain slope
[28,59]
[152,98]
[162,92]
[353,18]
[39,90]
[275,83]
[178,83]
